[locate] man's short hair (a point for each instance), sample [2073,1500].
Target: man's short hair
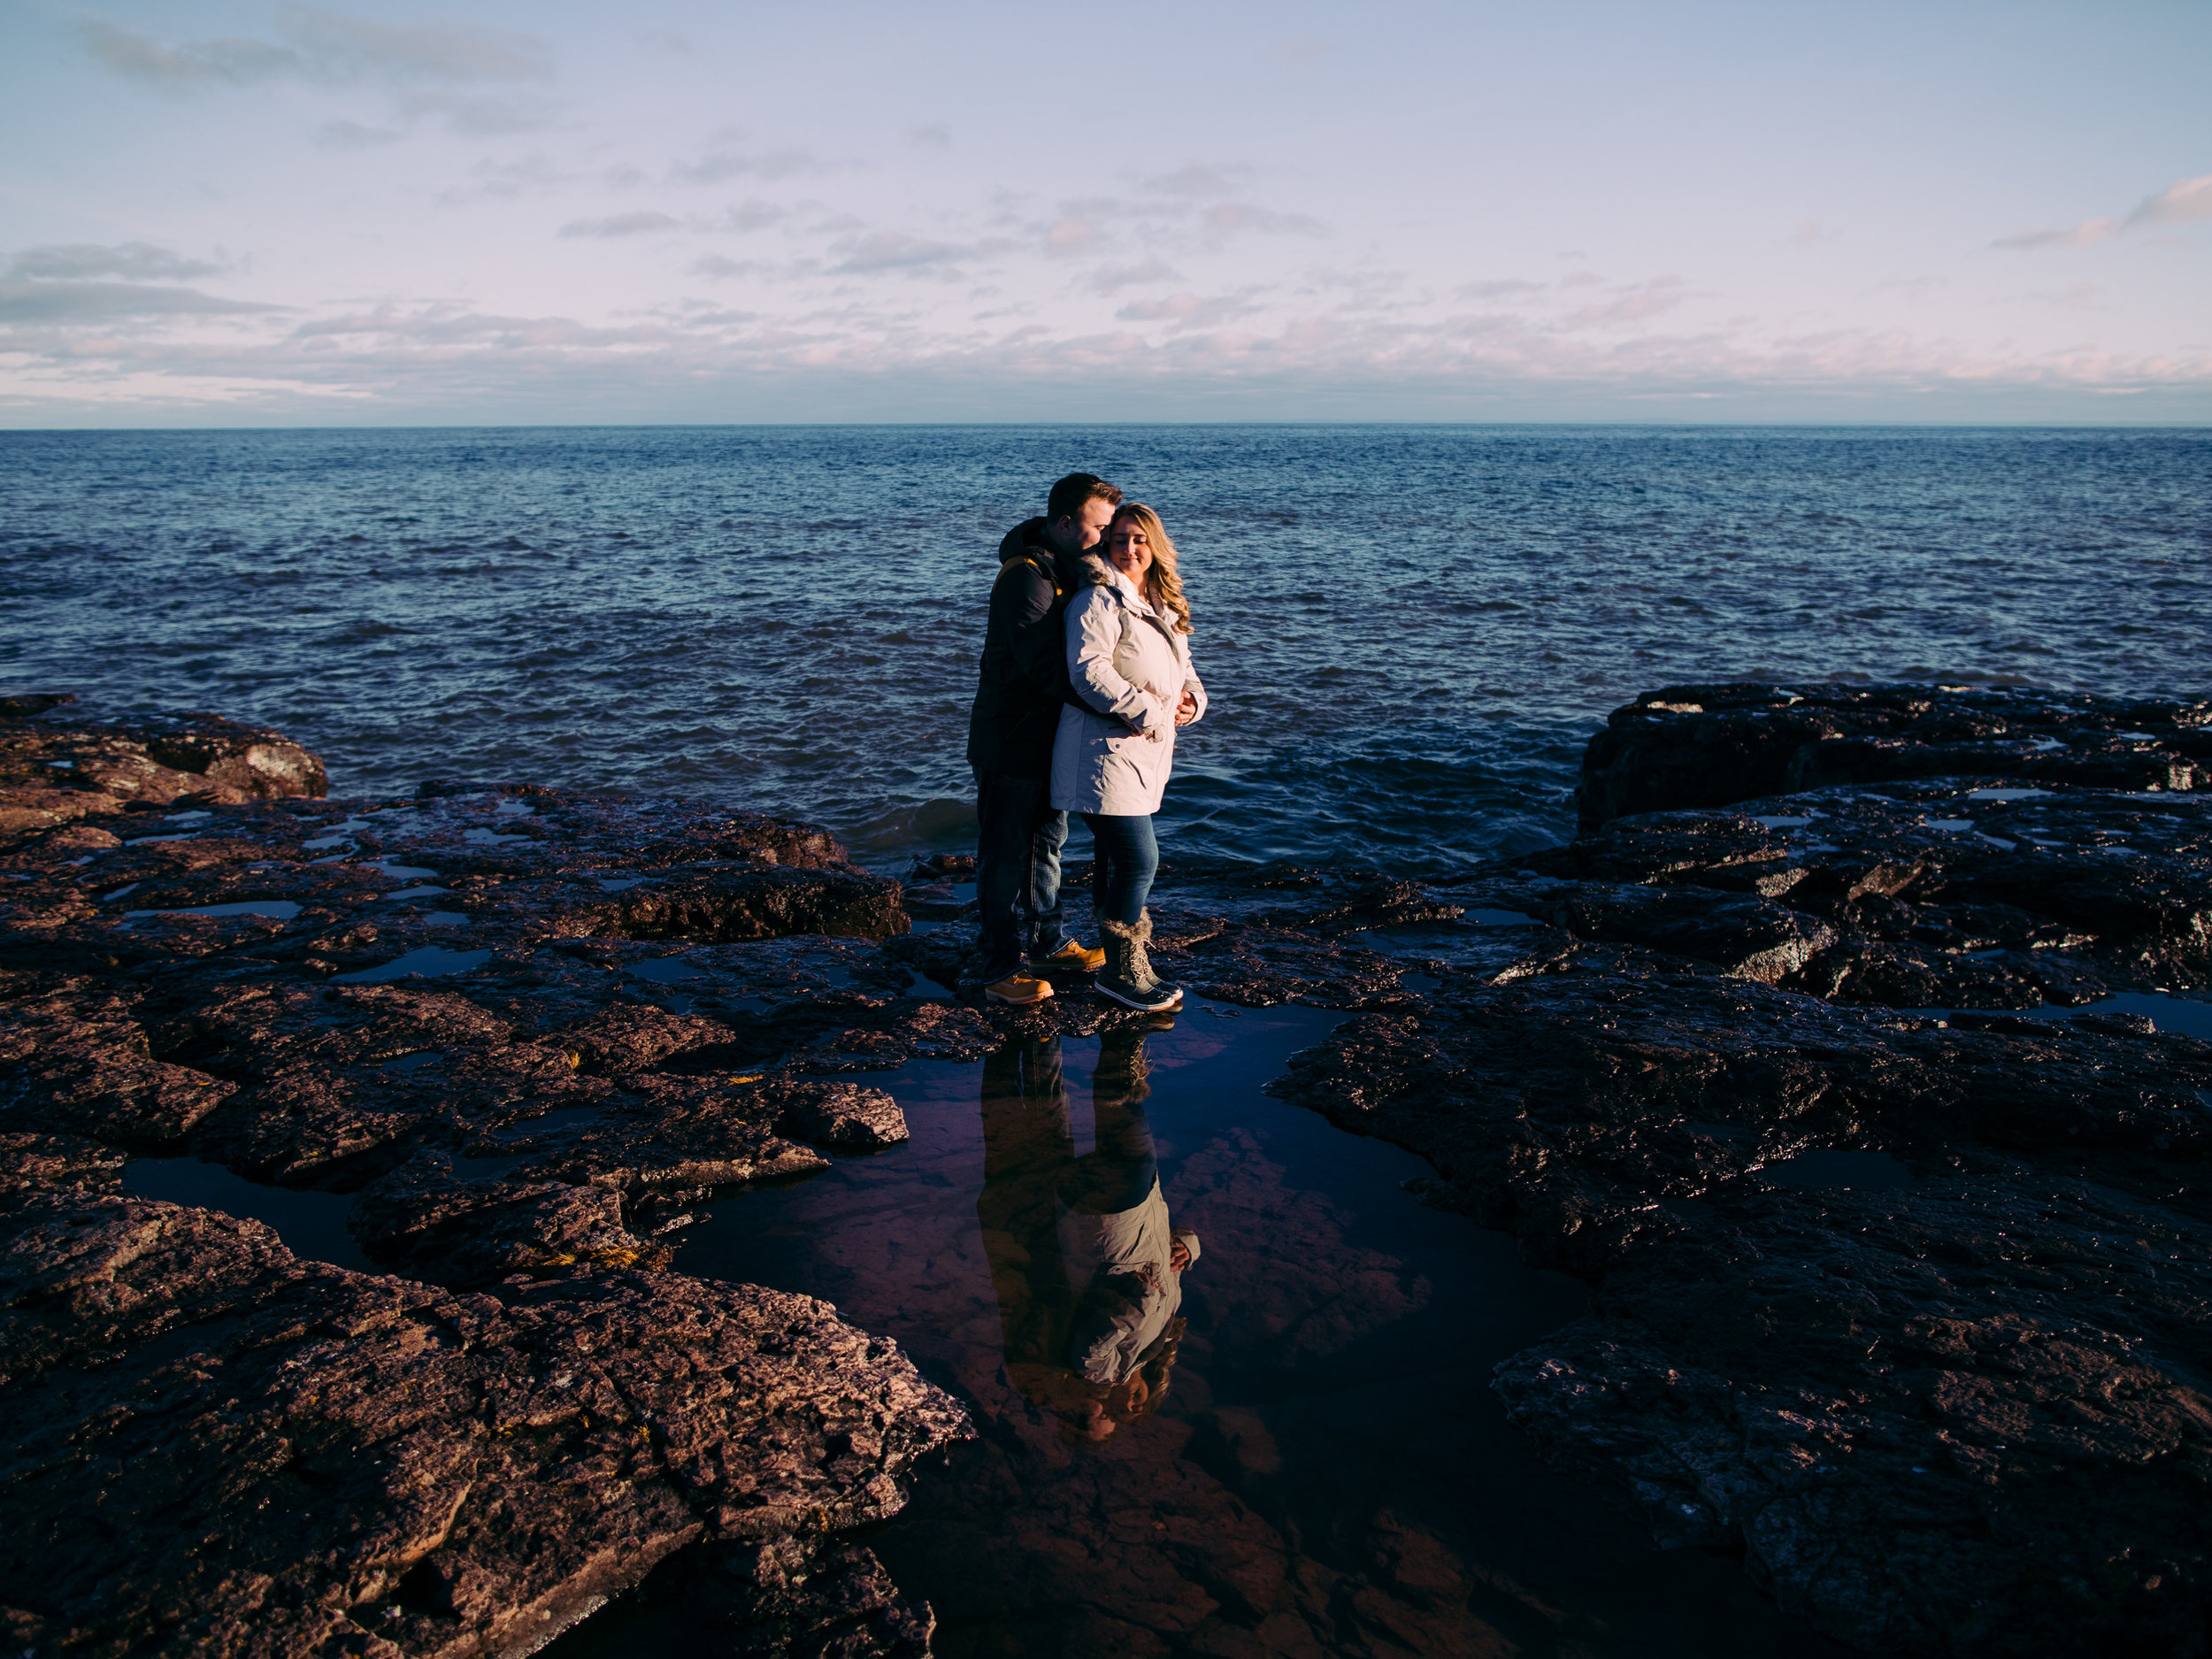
[1076,491]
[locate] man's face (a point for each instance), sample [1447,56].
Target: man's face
[1079,533]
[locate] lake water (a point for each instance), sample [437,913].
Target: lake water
[1408,631]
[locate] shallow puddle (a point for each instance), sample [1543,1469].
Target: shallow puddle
[430,961]
[311,1225]
[282,909]
[1317,1466]
[2176,1015]
[1830,1170]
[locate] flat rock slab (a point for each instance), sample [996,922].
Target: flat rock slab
[215,1449]
[1710,744]
[1902,1233]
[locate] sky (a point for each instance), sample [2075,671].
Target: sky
[271,212]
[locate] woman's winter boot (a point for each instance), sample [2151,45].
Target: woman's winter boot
[1127,977]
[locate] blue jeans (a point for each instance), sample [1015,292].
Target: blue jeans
[1018,838]
[1128,856]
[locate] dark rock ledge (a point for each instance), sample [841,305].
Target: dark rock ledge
[1813,1052]
[1837,1054]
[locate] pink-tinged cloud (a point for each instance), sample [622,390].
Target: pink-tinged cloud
[2082,235]
[2183,199]
[1631,304]
[1111,279]
[2188,198]
[1187,311]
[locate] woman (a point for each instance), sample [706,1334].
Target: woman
[1130,665]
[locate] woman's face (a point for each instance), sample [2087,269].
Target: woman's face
[1128,550]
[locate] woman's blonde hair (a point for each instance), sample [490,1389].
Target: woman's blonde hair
[1164,580]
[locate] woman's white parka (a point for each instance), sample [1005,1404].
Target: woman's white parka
[1126,661]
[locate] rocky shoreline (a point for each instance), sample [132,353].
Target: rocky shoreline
[1821,1052]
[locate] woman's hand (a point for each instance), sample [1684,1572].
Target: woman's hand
[1187,711]
[1156,716]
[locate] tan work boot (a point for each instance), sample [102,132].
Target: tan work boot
[1019,989]
[1074,954]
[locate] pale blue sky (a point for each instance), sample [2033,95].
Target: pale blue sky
[281,212]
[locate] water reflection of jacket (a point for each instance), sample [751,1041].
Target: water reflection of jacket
[1125,1258]
[1129,668]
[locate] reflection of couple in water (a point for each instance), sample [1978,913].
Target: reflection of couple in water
[1088,1271]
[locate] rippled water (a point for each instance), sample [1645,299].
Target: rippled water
[1408,631]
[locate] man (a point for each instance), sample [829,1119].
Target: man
[1022,684]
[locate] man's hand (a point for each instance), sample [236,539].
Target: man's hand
[1187,711]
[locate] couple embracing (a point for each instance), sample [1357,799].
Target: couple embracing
[1086,677]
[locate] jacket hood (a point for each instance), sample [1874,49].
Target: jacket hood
[1027,536]
[1092,571]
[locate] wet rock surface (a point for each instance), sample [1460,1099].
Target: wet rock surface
[1897,1218]
[1709,745]
[1896,1204]
[440,1010]
[213,1447]
[56,773]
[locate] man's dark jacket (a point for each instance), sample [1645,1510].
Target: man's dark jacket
[1024,669]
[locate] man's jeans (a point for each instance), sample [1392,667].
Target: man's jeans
[1018,838]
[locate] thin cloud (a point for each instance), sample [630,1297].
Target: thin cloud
[1198,178]
[356,48]
[197,63]
[1111,279]
[894,250]
[1633,304]
[137,261]
[352,135]
[721,166]
[2187,199]
[1188,311]
[1507,288]
[476,117]
[936,135]
[444,326]
[324,46]
[2183,199]
[2082,235]
[1227,219]
[106,301]
[753,214]
[638,224]
[721,268]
